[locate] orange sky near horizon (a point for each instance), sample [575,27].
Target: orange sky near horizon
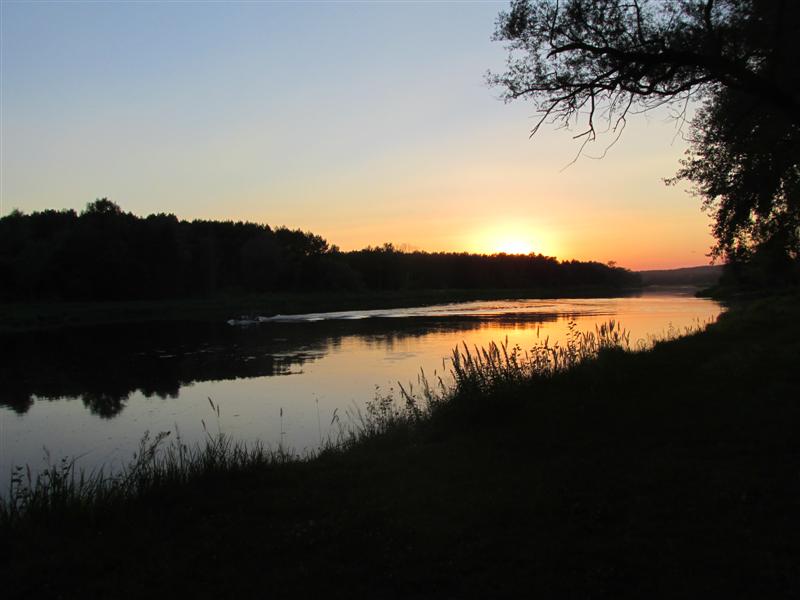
[515,195]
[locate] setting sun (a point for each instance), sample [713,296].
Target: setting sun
[513,237]
[515,246]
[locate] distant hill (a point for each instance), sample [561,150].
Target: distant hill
[706,275]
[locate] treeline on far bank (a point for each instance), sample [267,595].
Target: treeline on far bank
[104,253]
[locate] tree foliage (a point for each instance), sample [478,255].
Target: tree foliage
[592,63]
[744,162]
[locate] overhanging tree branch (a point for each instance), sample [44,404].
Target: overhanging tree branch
[736,59]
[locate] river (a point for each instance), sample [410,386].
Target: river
[92,393]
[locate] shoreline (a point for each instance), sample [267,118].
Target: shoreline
[20,317]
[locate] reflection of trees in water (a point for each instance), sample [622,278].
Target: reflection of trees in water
[18,400]
[104,405]
[104,366]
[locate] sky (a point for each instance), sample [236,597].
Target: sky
[363,122]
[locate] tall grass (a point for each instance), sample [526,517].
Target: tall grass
[476,373]
[161,460]
[63,490]
[483,369]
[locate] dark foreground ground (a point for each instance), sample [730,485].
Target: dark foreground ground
[674,473]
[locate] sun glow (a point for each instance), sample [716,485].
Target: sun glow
[515,246]
[513,238]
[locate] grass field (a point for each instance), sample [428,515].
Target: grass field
[668,473]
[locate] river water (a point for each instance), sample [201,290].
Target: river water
[93,393]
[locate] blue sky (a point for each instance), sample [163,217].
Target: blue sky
[364,122]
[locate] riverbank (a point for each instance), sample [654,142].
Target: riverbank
[38,316]
[670,473]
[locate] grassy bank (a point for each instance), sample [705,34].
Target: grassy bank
[669,473]
[20,317]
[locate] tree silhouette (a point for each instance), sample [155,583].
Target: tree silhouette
[593,62]
[102,206]
[744,163]
[107,254]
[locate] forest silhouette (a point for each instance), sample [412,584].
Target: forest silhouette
[104,253]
